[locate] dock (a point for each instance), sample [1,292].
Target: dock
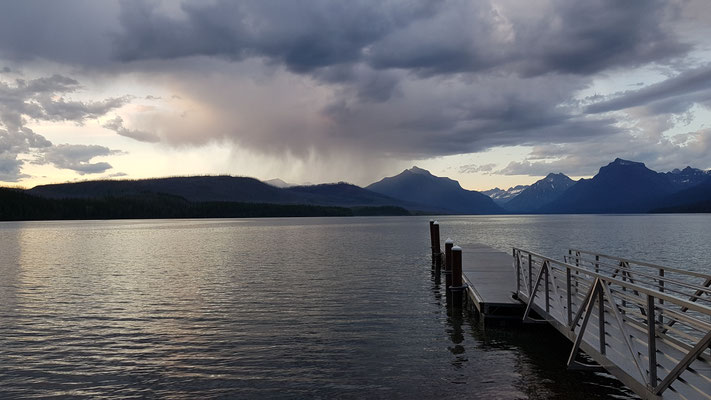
[491,284]
[646,324]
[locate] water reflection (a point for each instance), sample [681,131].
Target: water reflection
[454,321]
[456,335]
[278,308]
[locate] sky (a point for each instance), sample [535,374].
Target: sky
[491,93]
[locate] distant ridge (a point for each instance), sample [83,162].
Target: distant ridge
[346,194]
[687,177]
[501,196]
[541,193]
[225,189]
[17,205]
[276,182]
[620,187]
[420,186]
[696,199]
[191,188]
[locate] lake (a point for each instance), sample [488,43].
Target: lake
[290,308]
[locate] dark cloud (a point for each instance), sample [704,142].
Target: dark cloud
[116,125]
[429,119]
[410,79]
[674,94]
[584,37]
[579,37]
[461,36]
[302,36]
[72,31]
[391,79]
[76,157]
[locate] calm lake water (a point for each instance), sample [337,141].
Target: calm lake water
[289,308]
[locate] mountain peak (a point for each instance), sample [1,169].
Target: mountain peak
[419,171]
[686,171]
[540,193]
[620,162]
[436,193]
[553,176]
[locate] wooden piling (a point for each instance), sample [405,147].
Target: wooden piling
[435,238]
[448,262]
[432,235]
[457,288]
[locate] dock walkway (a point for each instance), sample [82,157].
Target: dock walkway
[491,283]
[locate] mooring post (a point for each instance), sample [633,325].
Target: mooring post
[448,262]
[432,236]
[435,237]
[457,288]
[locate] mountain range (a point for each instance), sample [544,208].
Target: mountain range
[501,196]
[625,187]
[420,186]
[539,194]
[620,187]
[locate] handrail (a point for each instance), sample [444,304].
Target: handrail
[660,295]
[644,263]
[666,279]
[632,331]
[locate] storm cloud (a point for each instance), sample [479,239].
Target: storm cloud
[687,88]
[396,79]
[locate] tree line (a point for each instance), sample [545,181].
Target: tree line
[16,205]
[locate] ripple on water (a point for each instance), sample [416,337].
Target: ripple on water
[255,308]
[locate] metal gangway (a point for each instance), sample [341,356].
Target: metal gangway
[646,324]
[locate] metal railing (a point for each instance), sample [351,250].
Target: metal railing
[648,325]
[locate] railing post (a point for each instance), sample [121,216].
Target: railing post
[601,318]
[545,269]
[530,275]
[518,271]
[448,262]
[651,341]
[569,302]
[661,289]
[624,279]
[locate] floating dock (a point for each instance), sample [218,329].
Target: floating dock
[646,324]
[491,284]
